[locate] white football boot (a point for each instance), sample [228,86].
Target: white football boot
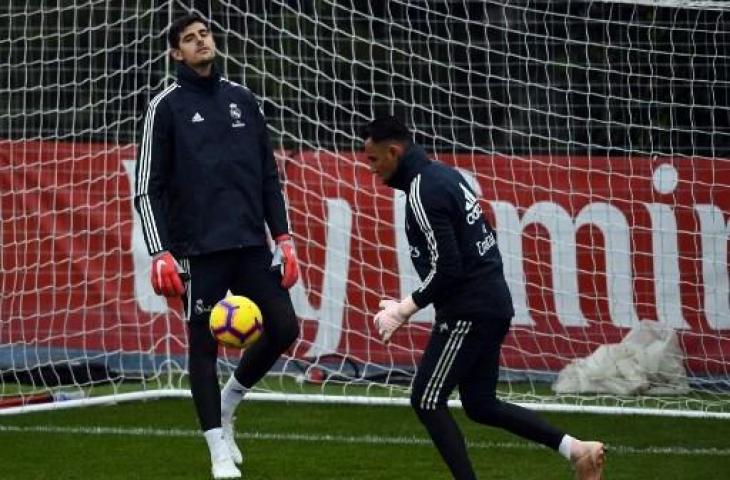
[223,467]
[229,437]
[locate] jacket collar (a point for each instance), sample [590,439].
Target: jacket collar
[189,78]
[414,160]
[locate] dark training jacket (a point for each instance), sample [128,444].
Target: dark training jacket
[453,247]
[206,178]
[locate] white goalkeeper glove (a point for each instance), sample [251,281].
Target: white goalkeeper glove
[392,315]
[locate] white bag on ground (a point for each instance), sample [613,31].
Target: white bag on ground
[647,361]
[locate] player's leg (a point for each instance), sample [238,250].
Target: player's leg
[256,281]
[478,391]
[447,355]
[209,279]
[478,397]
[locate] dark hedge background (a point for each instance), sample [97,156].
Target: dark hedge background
[514,77]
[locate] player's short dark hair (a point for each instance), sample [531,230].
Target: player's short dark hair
[386,128]
[177,27]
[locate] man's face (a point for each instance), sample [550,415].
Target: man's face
[383,157]
[197,47]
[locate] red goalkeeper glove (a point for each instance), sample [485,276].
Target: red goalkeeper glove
[392,315]
[285,258]
[167,275]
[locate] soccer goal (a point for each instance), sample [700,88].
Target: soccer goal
[597,135]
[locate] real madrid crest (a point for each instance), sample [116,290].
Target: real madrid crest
[236,116]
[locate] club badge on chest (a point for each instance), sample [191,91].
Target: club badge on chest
[236,121]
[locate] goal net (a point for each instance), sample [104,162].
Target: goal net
[597,135]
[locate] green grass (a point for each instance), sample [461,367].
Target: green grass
[287,441]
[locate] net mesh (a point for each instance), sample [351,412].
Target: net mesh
[596,133]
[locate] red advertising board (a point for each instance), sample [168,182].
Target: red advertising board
[591,245]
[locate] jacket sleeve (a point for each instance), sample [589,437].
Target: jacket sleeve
[433,213]
[273,198]
[152,173]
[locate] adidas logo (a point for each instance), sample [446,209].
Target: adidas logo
[197,118]
[470,198]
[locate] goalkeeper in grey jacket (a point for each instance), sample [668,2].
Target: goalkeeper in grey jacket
[454,251]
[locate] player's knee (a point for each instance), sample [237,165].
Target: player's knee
[476,413]
[284,325]
[416,394]
[482,410]
[422,405]
[201,344]
[290,332]
[202,358]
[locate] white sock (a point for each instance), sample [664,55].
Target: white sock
[216,445]
[231,396]
[565,445]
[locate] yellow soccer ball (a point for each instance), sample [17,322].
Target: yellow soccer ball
[236,322]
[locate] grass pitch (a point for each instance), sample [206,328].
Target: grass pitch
[291,441]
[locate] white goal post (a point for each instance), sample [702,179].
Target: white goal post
[597,134]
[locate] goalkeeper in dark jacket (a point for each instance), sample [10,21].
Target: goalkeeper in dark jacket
[454,251]
[207,186]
